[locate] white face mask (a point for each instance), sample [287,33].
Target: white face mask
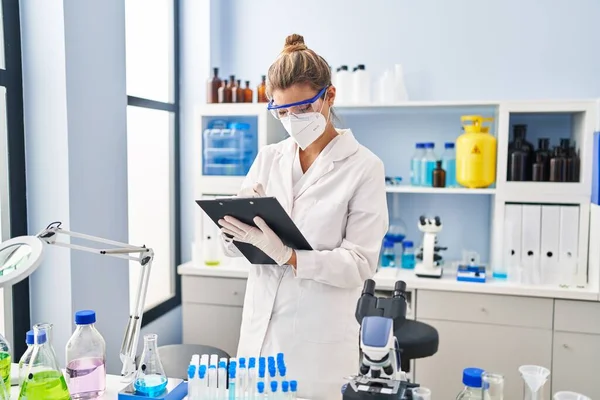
[305,128]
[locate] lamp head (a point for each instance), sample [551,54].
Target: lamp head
[19,258]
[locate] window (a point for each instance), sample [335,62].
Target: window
[14,302]
[153,147]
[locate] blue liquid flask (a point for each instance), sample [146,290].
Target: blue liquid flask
[428,164]
[449,164]
[388,256]
[408,255]
[415,165]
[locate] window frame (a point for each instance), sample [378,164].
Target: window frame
[12,79]
[161,309]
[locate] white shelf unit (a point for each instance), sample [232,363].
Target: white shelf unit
[584,122]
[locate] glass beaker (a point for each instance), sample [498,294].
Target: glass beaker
[493,386]
[421,393]
[534,379]
[150,379]
[569,396]
[43,378]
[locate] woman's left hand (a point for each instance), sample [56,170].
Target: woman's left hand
[261,237]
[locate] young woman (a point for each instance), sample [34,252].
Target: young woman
[334,190]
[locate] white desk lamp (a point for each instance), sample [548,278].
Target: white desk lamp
[21,256]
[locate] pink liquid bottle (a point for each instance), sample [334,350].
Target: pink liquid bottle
[86,358]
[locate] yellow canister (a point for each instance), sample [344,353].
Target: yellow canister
[476,153]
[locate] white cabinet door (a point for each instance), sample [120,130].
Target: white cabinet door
[212,325]
[495,348]
[576,363]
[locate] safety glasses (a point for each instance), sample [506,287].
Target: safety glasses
[295,109]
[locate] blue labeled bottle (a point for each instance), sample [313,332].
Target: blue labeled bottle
[408,255]
[415,165]
[449,164]
[428,164]
[388,256]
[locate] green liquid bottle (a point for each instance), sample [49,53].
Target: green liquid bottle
[44,379]
[5,360]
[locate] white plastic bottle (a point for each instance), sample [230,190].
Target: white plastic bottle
[400,93]
[361,86]
[387,88]
[343,80]
[86,358]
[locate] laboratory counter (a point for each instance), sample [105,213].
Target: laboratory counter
[386,277]
[497,326]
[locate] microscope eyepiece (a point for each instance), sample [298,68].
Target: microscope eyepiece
[399,288]
[369,287]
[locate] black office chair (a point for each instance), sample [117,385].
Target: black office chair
[176,358]
[416,340]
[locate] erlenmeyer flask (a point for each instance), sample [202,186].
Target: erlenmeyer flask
[5,361]
[48,329]
[534,379]
[150,379]
[43,378]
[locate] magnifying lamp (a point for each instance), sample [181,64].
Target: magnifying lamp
[21,256]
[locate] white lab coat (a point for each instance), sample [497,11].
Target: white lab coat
[341,210]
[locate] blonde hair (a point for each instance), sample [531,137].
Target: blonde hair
[297,64]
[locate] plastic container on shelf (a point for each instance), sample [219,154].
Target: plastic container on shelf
[388,255]
[86,358]
[475,153]
[400,93]
[408,255]
[428,163]
[415,165]
[229,151]
[449,164]
[361,93]
[343,79]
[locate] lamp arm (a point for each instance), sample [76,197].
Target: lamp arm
[143,255]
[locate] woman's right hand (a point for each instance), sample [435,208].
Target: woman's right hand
[256,190]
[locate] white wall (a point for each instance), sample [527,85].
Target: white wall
[75,126]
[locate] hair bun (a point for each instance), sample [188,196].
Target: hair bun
[294,43]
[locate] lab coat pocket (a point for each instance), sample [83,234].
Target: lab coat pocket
[320,316]
[324,224]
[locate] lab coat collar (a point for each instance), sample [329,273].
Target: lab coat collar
[339,149]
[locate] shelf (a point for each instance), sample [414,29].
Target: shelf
[432,190]
[233,109]
[220,185]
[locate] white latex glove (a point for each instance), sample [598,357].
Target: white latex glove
[256,190]
[261,237]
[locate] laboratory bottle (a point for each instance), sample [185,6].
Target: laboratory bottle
[150,379]
[534,379]
[361,85]
[415,165]
[542,156]
[224,94]
[400,93]
[210,251]
[439,175]
[5,361]
[475,153]
[520,135]
[388,255]
[569,396]
[344,85]
[387,83]
[449,164]
[538,172]
[421,393]
[518,162]
[44,379]
[558,166]
[472,381]
[86,358]
[261,91]
[237,92]
[25,359]
[428,164]
[212,87]
[248,94]
[573,165]
[493,386]
[232,389]
[408,255]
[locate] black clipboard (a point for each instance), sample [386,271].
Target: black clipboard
[245,209]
